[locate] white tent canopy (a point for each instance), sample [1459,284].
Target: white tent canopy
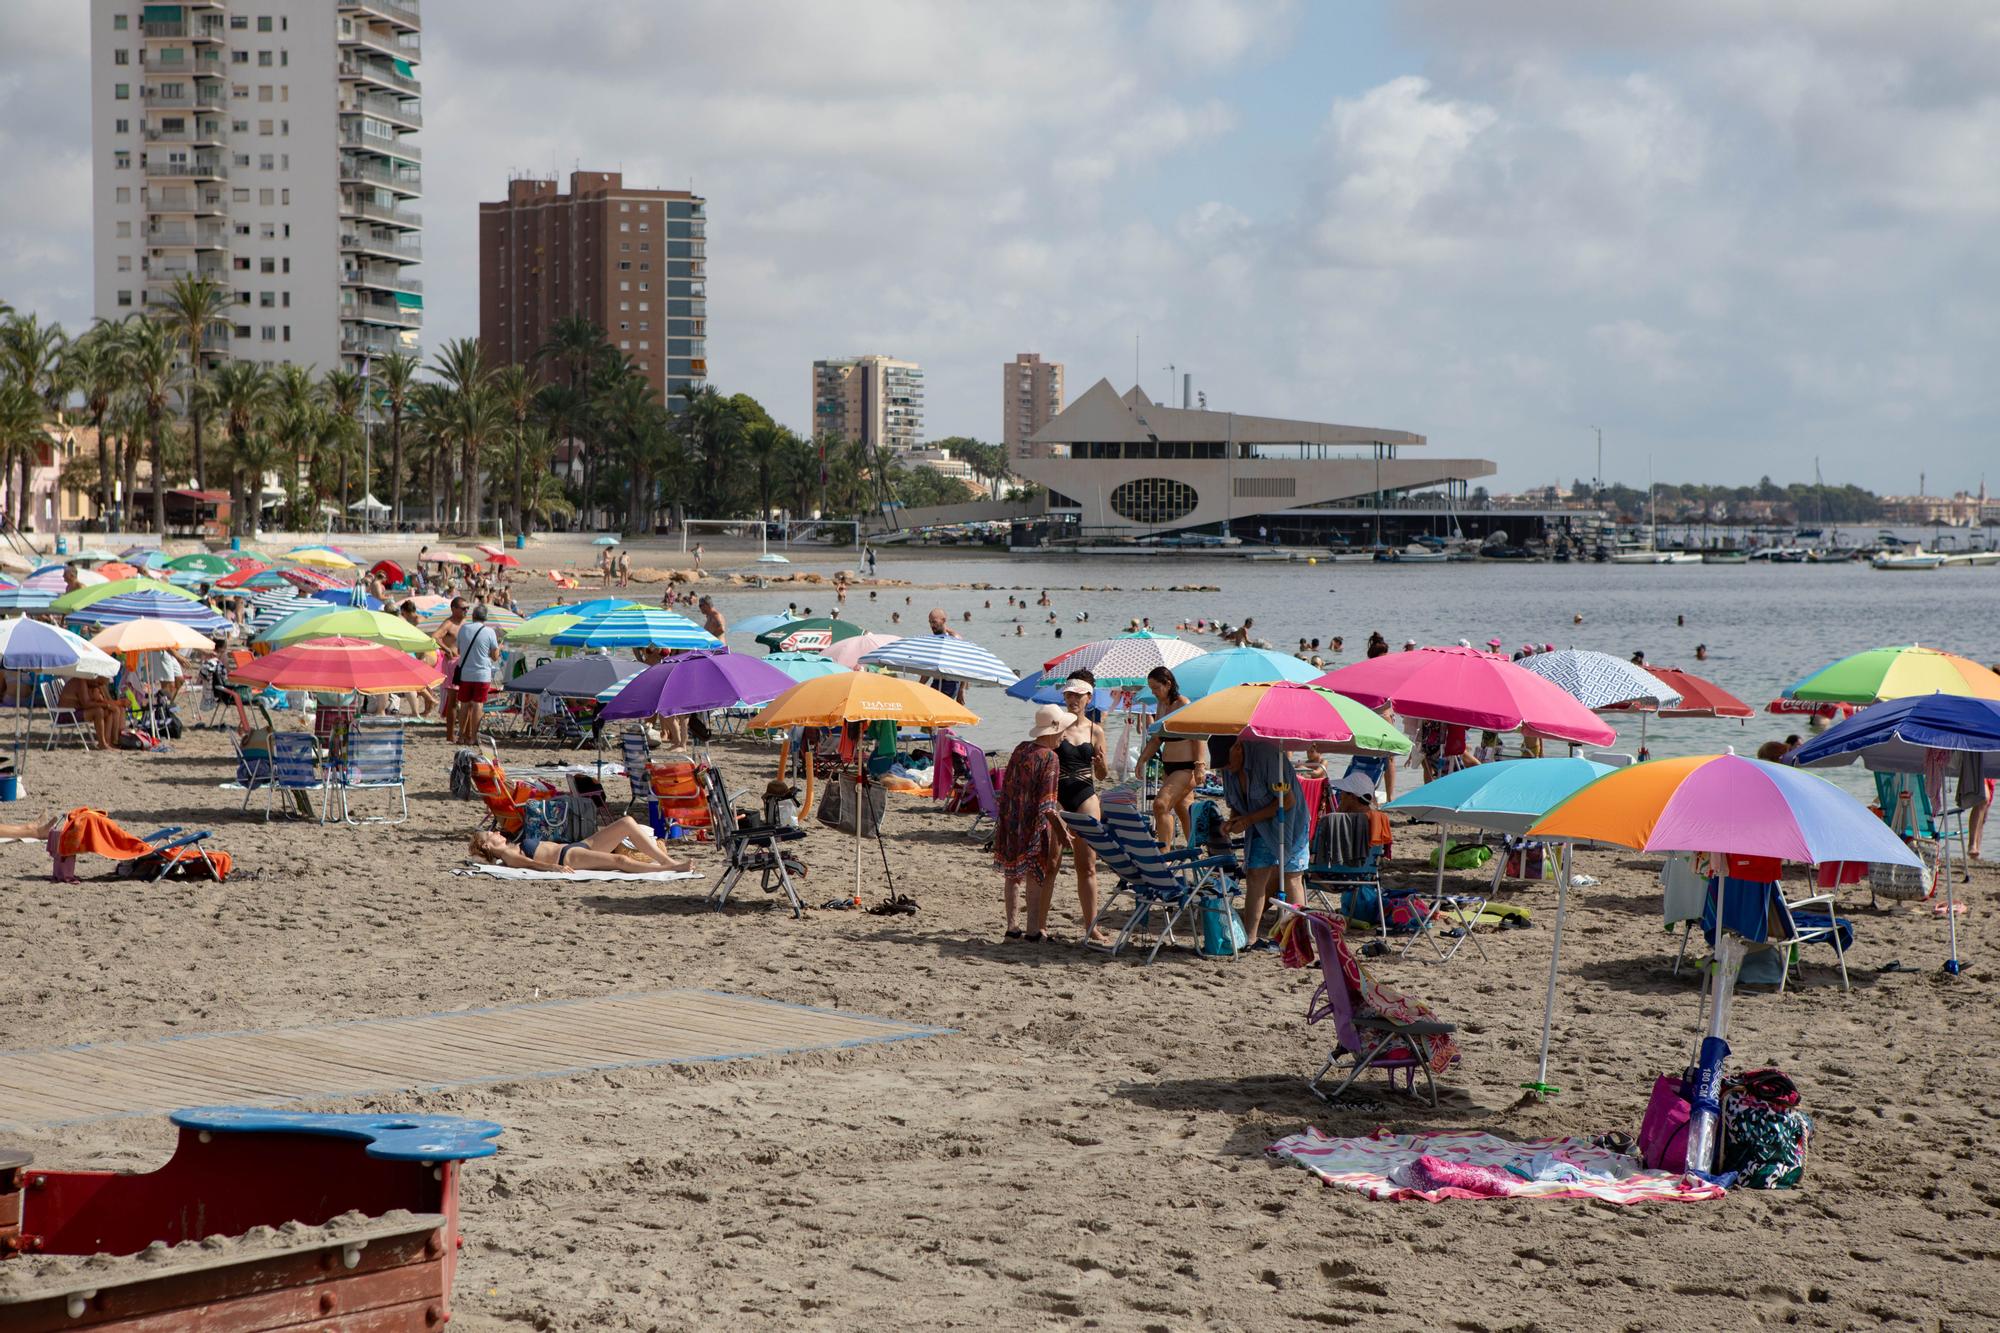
[369,504]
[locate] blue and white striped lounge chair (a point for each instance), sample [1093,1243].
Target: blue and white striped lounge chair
[374,762]
[1166,884]
[295,770]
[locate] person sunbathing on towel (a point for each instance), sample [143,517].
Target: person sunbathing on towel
[602,850]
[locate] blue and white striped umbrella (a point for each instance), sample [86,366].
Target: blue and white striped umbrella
[761,624]
[25,599]
[271,605]
[1599,680]
[644,627]
[31,645]
[262,632]
[147,604]
[1123,662]
[941,657]
[349,597]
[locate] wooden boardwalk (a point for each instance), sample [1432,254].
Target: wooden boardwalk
[55,1086]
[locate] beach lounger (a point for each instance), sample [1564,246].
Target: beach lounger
[1814,921]
[374,762]
[750,846]
[1368,1041]
[1164,884]
[295,770]
[152,856]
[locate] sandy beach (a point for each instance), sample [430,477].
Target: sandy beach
[1087,1150]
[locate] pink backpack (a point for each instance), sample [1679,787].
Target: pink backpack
[1663,1134]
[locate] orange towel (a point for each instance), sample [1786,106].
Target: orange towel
[90,830]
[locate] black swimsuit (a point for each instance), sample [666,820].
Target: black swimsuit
[1076,774]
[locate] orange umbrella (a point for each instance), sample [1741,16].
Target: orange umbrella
[118,569]
[150,636]
[341,666]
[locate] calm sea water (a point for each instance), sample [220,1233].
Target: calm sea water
[1764,625]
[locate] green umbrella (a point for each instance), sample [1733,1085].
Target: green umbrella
[97,592]
[201,562]
[804,666]
[540,629]
[818,632]
[374,626]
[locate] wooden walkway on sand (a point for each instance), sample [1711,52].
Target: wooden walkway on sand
[67,1085]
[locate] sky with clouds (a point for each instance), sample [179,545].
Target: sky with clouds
[1738,235]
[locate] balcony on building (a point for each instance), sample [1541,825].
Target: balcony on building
[196,166]
[401,312]
[383,277]
[198,134]
[381,72]
[362,340]
[407,249]
[165,273]
[185,236]
[171,23]
[404,15]
[188,202]
[355,135]
[182,97]
[404,180]
[404,111]
[402,47]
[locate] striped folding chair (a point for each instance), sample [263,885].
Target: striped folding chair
[1165,884]
[295,770]
[374,762]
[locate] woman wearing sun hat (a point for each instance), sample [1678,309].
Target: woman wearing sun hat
[1029,835]
[1080,766]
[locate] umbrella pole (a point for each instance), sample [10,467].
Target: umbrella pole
[1705,1125]
[855,901]
[1950,916]
[1541,1087]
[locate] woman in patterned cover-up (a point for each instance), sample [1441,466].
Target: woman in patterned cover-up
[1029,835]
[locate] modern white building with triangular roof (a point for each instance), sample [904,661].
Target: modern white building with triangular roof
[1126,466]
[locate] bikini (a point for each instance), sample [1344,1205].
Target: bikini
[531,842]
[1171,766]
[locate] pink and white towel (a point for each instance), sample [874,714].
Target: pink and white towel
[1436,1167]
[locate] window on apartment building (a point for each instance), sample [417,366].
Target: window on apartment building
[645,266]
[239,91]
[284,128]
[645,286]
[239,229]
[645,245]
[286,302]
[122,159]
[124,263]
[624,245]
[645,327]
[125,298]
[263,23]
[266,231]
[624,265]
[625,345]
[267,300]
[264,92]
[122,91]
[624,327]
[241,263]
[643,344]
[285,197]
[264,59]
[645,305]
[284,92]
[286,265]
[242,330]
[266,197]
[240,195]
[288,333]
[624,208]
[624,226]
[241,298]
[238,22]
[124,194]
[123,126]
[267,265]
[240,159]
[239,127]
[270,333]
[239,57]
[121,57]
[285,161]
[119,22]
[285,230]
[624,286]
[284,56]
[624,305]
[266,161]
[645,226]
[124,231]
[264,127]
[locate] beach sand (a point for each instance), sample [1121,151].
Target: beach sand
[1088,1150]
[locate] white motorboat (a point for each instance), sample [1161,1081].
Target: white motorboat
[1915,557]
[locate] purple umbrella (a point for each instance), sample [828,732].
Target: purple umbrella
[697,683]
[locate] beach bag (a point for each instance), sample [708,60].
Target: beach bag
[1525,861]
[1663,1134]
[1221,931]
[1405,910]
[564,817]
[1764,1134]
[837,807]
[462,766]
[1905,883]
[1464,856]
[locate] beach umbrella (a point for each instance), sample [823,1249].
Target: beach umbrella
[310,580]
[1722,804]
[248,578]
[1503,797]
[1224,667]
[32,645]
[352,623]
[1288,711]
[640,627]
[50,579]
[819,632]
[201,562]
[1122,662]
[938,657]
[1917,735]
[848,652]
[83,597]
[446,558]
[1700,697]
[541,629]
[1031,688]
[93,555]
[861,696]
[149,605]
[1468,688]
[319,557]
[696,683]
[604,541]
[149,636]
[117,569]
[145,557]
[805,666]
[487,549]
[245,560]
[387,570]
[1599,680]
[287,618]
[503,561]
[583,677]
[347,597]
[426,602]
[24,599]
[758,624]
[1895,673]
[595,607]
[340,666]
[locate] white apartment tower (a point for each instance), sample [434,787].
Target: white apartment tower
[268,145]
[873,400]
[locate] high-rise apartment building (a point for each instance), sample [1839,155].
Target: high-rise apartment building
[1031,392]
[268,145]
[874,400]
[634,262]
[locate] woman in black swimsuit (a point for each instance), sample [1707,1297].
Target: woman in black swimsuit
[1182,762]
[605,849]
[1081,764]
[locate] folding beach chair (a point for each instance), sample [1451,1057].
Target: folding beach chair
[374,762]
[1683,895]
[979,780]
[1370,1041]
[64,721]
[295,771]
[168,853]
[253,770]
[1114,861]
[1814,921]
[1333,864]
[1164,883]
[750,845]
[638,755]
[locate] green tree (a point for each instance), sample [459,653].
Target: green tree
[516,389]
[152,358]
[341,433]
[193,310]
[96,367]
[31,353]
[395,381]
[243,394]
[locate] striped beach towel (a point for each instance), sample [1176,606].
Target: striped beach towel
[1435,1167]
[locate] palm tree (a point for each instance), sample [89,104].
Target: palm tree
[429,405]
[396,379]
[194,305]
[516,390]
[584,354]
[296,413]
[542,492]
[32,354]
[151,358]
[21,418]
[243,394]
[95,364]
[461,367]
[342,391]
[766,443]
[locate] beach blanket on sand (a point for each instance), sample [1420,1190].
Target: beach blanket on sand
[1435,1167]
[516,872]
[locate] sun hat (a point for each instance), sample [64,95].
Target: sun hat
[1493,642]
[1078,687]
[1409,643]
[1050,719]
[1357,783]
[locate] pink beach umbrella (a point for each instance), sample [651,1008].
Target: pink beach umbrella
[1469,688]
[848,652]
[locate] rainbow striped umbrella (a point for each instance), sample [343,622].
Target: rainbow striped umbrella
[1895,673]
